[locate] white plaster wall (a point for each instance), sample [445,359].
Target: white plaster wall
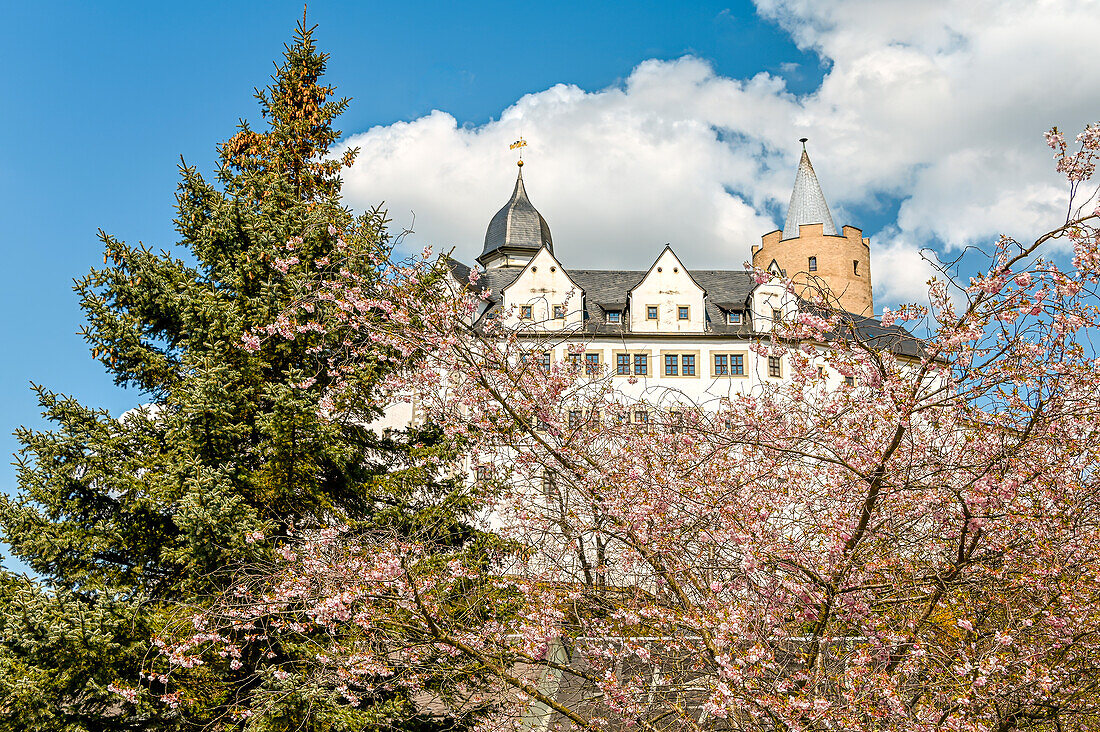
[668,286]
[542,285]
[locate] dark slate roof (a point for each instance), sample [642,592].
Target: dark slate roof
[518,225]
[807,202]
[727,290]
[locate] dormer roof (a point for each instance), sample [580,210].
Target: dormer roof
[807,201]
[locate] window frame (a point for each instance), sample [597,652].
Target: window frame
[733,317]
[678,355]
[592,362]
[651,312]
[559,312]
[775,367]
[632,358]
[615,316]
[683,312]
[526,312]
[733,371]
[811,264]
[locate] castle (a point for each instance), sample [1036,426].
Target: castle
[667,325]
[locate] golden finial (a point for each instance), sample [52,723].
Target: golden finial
[519,144]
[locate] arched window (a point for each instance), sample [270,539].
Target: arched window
[813,264]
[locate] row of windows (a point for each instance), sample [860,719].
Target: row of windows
[683,312]
[675,364]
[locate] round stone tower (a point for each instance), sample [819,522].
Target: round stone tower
[811,252]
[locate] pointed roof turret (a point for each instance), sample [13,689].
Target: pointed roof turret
[807,201]
[517,226]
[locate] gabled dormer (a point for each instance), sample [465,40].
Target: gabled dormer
[668,299]
[544,296]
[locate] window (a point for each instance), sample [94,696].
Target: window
[727,364]
[733,318]
[544,362]
[614,316]
[671,365]
[559,312]
[849,381]
[591,363]
[777,315]
[651,312]
[482,472]
[855,267]
[676,421]
[813,264]
[574,418]
[641,416]
[525,312]
[682,312]
[687,365]
[627,364]
[594,417]
[574,359]
[774,367]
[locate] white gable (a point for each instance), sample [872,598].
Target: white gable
[669,288]
[545,288]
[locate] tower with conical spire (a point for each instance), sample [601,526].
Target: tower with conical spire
[810,251]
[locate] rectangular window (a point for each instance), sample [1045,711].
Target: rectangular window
[682,312]
[651,312]
[777,315]
[482,472]
[591,363]
[544,362]
[737,365]
[733,318]
[614,316]
[559,312]
[855,267]
[574,418]
[641,416]
[525,312]
[622,364]
[670,366]
[594,418]
[641,364]
[813,264]
[721,364]
[849,381]
[676,422]
[774,367]
[574,359]
[687,365]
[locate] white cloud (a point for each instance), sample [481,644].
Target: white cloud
[938,105]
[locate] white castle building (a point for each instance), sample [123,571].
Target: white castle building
[667,327]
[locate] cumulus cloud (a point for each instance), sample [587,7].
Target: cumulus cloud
[935,107]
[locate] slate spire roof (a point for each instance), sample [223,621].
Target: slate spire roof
[517,226]
[807,201]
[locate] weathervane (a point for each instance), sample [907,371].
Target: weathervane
[519,145]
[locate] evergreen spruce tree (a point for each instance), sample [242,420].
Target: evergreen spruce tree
[127,520]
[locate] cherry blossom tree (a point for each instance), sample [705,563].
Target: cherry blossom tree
[918,550]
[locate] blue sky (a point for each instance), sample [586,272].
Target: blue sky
[680,120]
